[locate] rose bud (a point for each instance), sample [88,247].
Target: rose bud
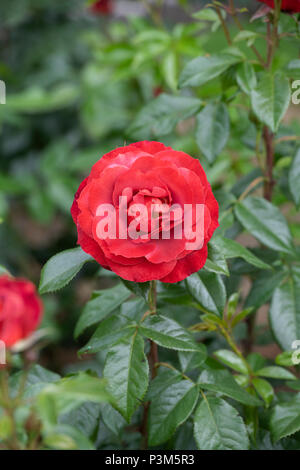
[20,310]
[146,212]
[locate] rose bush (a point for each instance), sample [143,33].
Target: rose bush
[20,309]
[146,173]
[292,6]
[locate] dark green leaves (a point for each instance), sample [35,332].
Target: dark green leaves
[201,70]
[170,409]
[108,332]
[126,370]
[161,115]
[138,288]
[61,268]
[265,222]
[212,130]
[221,381]
[263,288]
[217,426]
[168,333]
[232,249]
[285,419]
[232,360]
[284,311]
[216,261]
[271,98]
[105,302]
[208,290]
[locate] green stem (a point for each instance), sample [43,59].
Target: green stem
[153,361]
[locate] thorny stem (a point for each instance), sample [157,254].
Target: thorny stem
[153,361]
[268,136]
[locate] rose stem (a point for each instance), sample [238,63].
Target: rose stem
[268,138]
[152,360]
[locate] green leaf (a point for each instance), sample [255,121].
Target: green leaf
[246,35]
[285,359]
[231,360]
[65,437]
[85,418]
[192,360]
[170,409]
[206,14]
[212,130]
[274,372]
[263,287]
[202,69]
[112,419]
[164,379]
[169,70]
[284,311]
[208,290]
[265,222]
[126,370]
[246,77]
[36,100]
[271,98]
[232,249]
[60,441]
[61,268]
[218,426]
[105,302]
[138,288]
[109,331]
[221,381]
[232,304]
[37,379]
[264,389]
[294,178]
[161,115]
[169,334]
[68,393]
[216,262]
[285,418]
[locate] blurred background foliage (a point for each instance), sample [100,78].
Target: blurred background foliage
[76,81]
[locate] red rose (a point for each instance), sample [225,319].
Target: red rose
[20,309]
[145,174]
[292,6]
[102,7]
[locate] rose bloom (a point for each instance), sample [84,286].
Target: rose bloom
[102,7]
[20,309]
[292,6]
[145,173]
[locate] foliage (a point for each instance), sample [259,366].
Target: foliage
[194,358]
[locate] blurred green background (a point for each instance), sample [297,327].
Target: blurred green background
[76,77]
